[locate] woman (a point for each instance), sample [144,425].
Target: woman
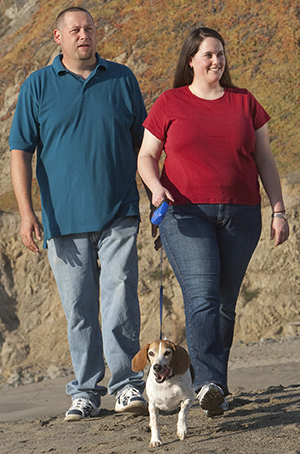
[215,137]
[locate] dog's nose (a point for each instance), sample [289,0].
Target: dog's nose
[158,367]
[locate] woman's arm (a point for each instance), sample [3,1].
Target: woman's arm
[148,158]
[267,170]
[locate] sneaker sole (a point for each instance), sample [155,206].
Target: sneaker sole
[215,412]
[212,400]
[74,418]
[79,417]
[140,408]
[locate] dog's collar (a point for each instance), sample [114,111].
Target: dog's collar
[170,376]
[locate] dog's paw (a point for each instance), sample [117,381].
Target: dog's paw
[182,435]
[182,432]
[155,443]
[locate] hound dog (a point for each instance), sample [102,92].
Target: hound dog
[169,383]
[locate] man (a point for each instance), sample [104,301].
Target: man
[84,117]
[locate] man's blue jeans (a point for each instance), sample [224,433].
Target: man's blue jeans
[74,261]
[209,247]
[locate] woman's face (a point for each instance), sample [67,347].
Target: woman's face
[209,62]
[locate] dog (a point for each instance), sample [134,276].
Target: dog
[168,385]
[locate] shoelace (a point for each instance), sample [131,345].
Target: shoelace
[82,403]
[130,392]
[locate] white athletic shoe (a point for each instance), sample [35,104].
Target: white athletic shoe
[131,400]
[212,400]
[81,408]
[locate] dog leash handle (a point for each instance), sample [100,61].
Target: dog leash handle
[159,213]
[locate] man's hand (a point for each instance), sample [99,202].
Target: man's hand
[29,228]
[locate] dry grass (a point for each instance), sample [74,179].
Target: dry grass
[263,47]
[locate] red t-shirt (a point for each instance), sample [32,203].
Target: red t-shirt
[209,145]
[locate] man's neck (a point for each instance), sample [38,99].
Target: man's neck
[81,68]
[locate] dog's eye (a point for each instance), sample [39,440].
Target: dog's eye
[167,353]
[150,353]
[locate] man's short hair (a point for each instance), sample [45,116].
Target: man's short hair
[71,9]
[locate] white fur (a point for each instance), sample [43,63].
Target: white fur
[175,390]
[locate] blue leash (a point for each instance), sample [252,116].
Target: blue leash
[156,219]
[161,293]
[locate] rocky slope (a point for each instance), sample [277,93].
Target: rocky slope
[263,43]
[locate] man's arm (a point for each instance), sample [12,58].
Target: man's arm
[21,173]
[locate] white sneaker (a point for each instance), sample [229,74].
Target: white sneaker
[81,408]
[130,399]
[212,401]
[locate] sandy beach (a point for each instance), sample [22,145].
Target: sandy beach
[264,415]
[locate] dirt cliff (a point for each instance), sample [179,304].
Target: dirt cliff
[32,324]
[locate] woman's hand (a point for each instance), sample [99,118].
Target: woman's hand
[279,230]
[160,195]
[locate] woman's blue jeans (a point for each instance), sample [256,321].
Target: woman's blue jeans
[74,261]
[209,247]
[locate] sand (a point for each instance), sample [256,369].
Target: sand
[264,414]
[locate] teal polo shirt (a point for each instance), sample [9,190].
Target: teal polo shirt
[84,133]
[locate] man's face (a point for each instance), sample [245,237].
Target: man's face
[77,37]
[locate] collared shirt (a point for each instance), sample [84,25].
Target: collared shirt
[85,133]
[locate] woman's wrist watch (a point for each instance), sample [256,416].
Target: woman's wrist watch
[281,215]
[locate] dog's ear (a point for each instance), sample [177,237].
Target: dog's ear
[139,362]
[181,360]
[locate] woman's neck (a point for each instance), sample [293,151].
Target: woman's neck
[208,92]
